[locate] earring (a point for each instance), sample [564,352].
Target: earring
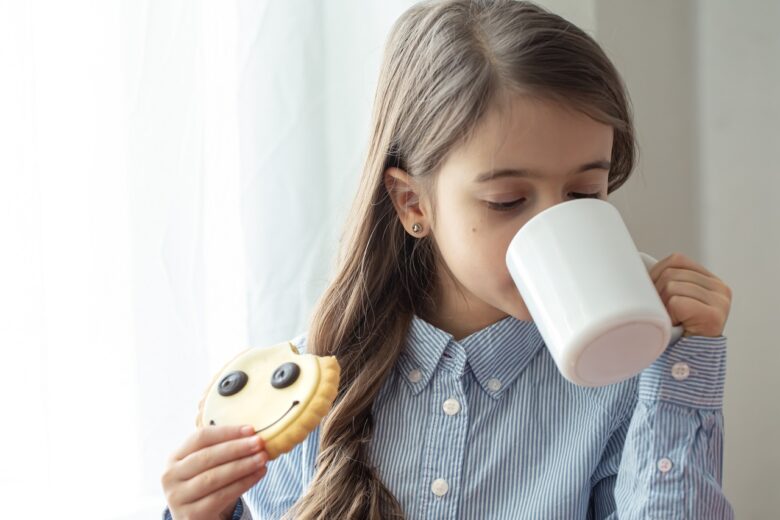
[416,227]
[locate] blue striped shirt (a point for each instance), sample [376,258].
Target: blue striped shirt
[486,427]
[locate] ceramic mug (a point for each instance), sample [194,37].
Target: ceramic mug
[589,292]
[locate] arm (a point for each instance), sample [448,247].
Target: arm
[665,459]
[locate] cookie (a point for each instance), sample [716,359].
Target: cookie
[281,393]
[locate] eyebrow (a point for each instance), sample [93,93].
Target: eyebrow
[508,172]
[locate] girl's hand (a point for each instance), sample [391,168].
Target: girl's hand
[209,472]
[692,295]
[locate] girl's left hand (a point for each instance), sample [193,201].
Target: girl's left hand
[692,295]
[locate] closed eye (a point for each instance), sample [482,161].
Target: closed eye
[506,206]
[586,195]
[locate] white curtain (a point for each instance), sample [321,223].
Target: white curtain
[174,176]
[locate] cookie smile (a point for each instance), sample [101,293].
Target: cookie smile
[293,405]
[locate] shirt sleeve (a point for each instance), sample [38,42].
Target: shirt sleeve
[665,459]
[239,513]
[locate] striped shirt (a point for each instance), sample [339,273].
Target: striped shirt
[487,428]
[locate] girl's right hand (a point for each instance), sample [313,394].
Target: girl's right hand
[204,478]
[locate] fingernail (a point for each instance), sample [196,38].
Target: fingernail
[246,430]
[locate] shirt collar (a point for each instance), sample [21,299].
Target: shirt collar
[496,354]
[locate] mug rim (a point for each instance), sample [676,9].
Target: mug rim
[556,207]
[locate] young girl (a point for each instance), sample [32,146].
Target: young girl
[450,406]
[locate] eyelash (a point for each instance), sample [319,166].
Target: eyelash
[506,206]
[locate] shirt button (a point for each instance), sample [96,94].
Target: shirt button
[664,465]
[681,371]
[451,406]
[439,487]
[494,384]
[415,375]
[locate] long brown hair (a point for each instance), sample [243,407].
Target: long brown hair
[445,63]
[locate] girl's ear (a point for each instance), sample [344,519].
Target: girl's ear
[405,194]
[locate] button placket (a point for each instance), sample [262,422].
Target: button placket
[447,439]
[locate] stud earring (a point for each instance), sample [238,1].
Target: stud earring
[416,227]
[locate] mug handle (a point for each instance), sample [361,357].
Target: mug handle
[677,330]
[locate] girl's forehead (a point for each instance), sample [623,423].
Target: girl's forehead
[534,135]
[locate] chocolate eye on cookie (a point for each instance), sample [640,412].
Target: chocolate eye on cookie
[285,375]
[232,383]
[281,393]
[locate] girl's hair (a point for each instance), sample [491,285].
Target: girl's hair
[445,63]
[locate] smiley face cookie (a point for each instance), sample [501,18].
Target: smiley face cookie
[281,393]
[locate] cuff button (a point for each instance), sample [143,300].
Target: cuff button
[681,371]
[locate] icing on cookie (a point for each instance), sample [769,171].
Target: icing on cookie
[281,393]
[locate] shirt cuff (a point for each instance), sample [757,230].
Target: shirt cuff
[690,372]
[238,512]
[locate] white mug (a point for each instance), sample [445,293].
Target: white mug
[588,290]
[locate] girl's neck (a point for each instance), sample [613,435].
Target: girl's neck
[458,312]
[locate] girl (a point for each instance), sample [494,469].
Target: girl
[486,113]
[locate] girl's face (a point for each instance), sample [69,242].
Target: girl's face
[558,154]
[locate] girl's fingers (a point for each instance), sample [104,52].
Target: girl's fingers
[218,480]
[686,275]
[699,318]
[206,436]
[678,260]
[218,500]
[691,290]
[217,455]
[693,296]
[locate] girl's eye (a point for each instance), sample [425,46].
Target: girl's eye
[585,195]
[505,206]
